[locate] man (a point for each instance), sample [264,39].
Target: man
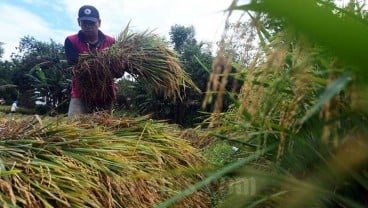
[87,39]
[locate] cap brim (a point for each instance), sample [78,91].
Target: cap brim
[93,19]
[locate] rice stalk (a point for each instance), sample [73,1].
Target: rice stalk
[97,162]
[222,67]
[143,55]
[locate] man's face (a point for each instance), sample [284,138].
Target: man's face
[89,27]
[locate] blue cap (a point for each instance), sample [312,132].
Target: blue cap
[88,12]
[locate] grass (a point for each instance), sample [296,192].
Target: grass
[5,109]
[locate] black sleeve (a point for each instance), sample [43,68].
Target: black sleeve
[70,52]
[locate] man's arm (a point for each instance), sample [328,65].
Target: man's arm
[70,52]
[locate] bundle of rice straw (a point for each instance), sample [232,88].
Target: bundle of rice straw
[144,55]
[97,161]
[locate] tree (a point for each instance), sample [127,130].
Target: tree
[196,58]
[40,72]
[8,90]
[181,36]
[1,49]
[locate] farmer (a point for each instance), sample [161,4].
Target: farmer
[87,39]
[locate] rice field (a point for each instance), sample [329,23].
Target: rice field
[294,136]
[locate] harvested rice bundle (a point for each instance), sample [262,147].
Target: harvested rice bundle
[95,80]
[97,161]
[144,55]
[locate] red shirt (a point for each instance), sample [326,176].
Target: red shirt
[77,44]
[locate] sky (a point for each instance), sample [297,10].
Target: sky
[55,19]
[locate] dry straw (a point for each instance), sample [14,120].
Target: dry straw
[143,55]
[96,161]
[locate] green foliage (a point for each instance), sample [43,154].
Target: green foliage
[8,90]
[317,20]
[40,72]
[303,96]
[181,36]
[305,91]
[5,109]
[42,109]
[221,153]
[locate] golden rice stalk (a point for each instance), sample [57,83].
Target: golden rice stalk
[221,68]
[143,55]
[97,161]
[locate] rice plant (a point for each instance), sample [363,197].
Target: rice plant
[297,116]
[95,161]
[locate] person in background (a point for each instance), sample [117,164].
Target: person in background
[2,101]
[14,107]
[87,39]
